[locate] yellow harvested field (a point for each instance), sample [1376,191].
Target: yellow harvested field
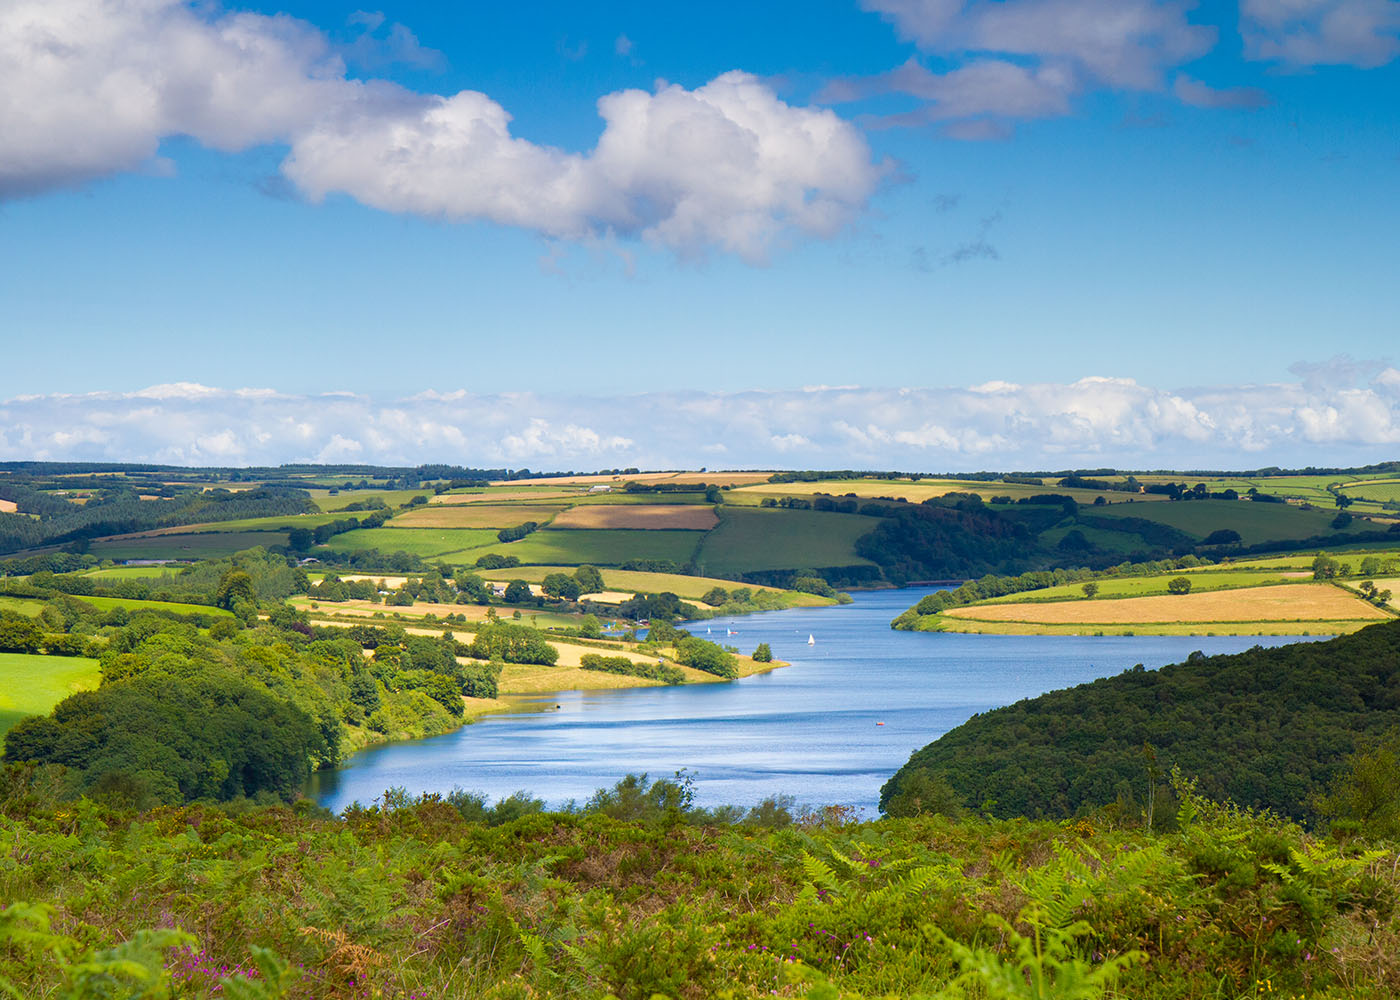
[390,582]
[608,597]
[570,655]
[524,678]
[1391,584]
[474,516]
[1278,603]
[364,609]
[642,517]
[717,478]
[8,506]
[450,499]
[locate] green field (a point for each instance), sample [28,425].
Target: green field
[207,545]
[1256,522]
[1379,490]
[422,542]
[132,604]
[394,498]
[279,523]
[1304,560]
[751,539]
[131,572]
[1141,586]
[1102,539]
[21,605]
[601,548]
[32,685]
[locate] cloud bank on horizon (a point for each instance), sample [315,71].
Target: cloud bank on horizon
[1338,413]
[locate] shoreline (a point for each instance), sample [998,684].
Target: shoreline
[522,701]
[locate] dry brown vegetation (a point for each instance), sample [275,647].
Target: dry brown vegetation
[717,478]
[645,517]
[1280,603]
[473,516]
[8,506]
[449,499]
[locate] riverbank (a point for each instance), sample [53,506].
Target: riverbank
[1201,603]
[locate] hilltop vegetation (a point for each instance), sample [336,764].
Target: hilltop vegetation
[849,528]
[638,894]
[1268,729]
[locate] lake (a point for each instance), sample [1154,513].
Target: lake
[811,730]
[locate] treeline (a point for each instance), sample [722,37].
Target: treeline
[116,512]
[269,577]
[631,668]
[203,707]
[991,585]
[1267,728]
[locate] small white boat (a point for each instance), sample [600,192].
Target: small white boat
[811,641]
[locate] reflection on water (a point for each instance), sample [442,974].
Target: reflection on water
[828,730]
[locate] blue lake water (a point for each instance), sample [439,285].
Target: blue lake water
[810,730]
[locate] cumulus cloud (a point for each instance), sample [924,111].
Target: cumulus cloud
[1092,421]
[1029,58]
[1302,33]
[94,86]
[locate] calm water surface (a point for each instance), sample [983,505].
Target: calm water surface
[809,730]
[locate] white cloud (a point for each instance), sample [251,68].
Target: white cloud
[1301,33]
[93,87]
[1029,58]
[1092,421]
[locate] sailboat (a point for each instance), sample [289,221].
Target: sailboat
[811,641]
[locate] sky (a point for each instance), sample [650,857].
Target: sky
[932,235]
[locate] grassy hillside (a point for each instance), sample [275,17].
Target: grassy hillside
[600,548]
[205,545]
[33,685]
[425,543]
[1256,522]
[750,539]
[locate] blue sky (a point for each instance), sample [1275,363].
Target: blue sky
[1193,198]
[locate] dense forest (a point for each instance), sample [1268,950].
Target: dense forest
[1267,728]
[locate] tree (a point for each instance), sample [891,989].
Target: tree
[763,654]
[561,585]
[517,592]
[715,596]
[1342,520]
[1223,536]
[1090,589]
[300,539]
[1074,541]
[590,580]
[235,587]
[1324,567]
[707,656]
[19,634]
[1365,798]
[1179,585]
